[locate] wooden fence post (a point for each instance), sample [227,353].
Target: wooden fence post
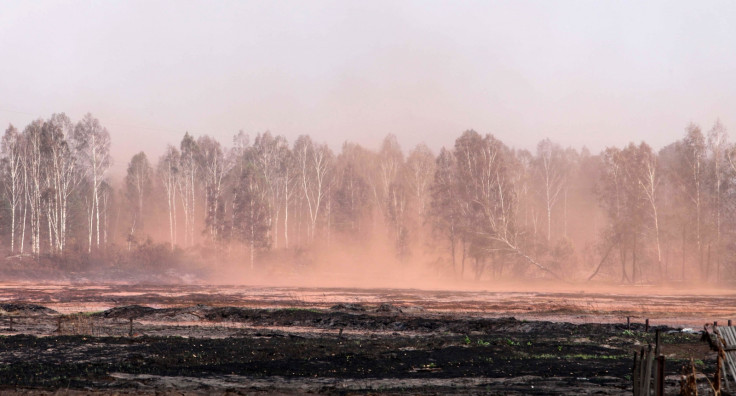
[717,379]
[656,362]
[647,380]
[635,375]
[642,369]
[659,391]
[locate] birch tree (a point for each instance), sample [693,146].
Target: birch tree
[62,176]
[396,216]
[251,210]
[187,183]
[387,165]
[92,144]
[524,182]
[33,182]
[644,169]
[717,144]
[628,191]
[289,184]
[271,160]
[12,172]
[639,183]
[12,177]
[420,169]
[215,164]
[550,171]
[486,185]
[138,186]
[611,194]
[444,208]
[168,174]
[691,178]
[351,193]
[314,163]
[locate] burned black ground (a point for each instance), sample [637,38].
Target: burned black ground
[346,349]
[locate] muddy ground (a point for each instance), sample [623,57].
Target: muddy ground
[133,340]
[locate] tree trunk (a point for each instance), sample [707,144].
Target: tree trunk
[48,222]
[564,213]
[462,261]
[603,260]
[707,263]
[91,220]
[452,255]
[97,218]
[684,231]
[622,254]
[252,236]
[549,217]
[633,261]
[194,201]
[329,219]
[23,232]
[12,228]
[286,215]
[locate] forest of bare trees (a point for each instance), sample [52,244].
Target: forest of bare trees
[478,210]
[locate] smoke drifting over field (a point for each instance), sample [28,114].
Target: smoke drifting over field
[355,163]
[267,211]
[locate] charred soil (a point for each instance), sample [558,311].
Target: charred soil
[347,349]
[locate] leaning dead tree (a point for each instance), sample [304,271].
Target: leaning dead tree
[485,183]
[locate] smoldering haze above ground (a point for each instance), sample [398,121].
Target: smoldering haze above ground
[585,75]
[599,303]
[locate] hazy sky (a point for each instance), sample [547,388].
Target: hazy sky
[588,73]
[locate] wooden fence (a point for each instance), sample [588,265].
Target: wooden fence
[648,371]
[726,346]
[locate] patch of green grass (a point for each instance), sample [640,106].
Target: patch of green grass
[628,333]
[91,313]
[511,342]
[483,343]
[467,340]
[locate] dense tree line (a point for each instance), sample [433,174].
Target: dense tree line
[479,209]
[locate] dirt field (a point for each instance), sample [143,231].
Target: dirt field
[207,340]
